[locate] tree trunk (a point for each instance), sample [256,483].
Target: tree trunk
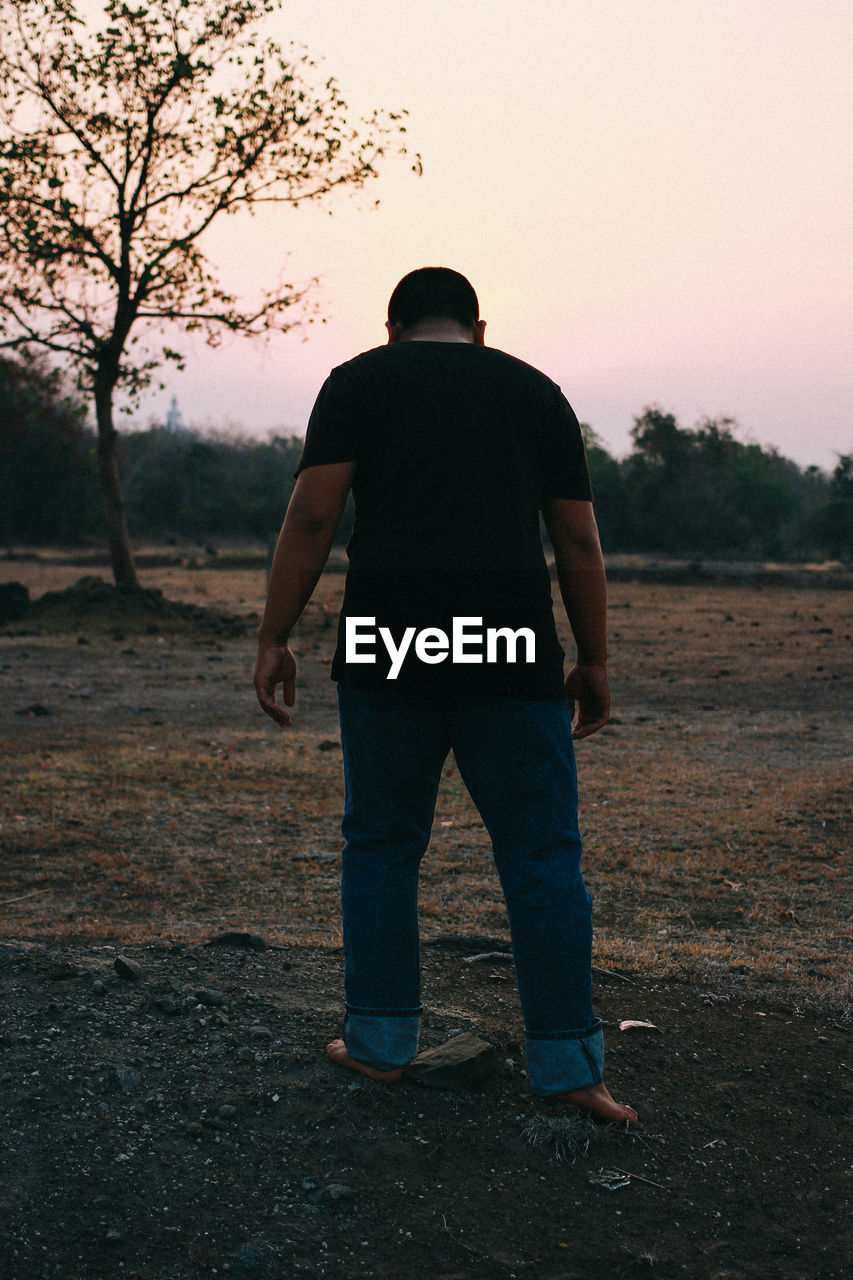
[121,555]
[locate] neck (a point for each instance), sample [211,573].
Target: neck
[436,331]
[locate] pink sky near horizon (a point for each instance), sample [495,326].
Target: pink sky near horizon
[651,197]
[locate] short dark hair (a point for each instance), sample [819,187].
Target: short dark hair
[433,293]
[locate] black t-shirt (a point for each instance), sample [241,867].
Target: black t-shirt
[456,447]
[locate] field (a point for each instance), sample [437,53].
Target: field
[148,806]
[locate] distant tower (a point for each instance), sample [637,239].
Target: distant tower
[174,420]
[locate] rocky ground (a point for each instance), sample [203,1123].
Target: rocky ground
[166,1108]
[168,1111]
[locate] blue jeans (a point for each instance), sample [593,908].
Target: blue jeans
[517,760]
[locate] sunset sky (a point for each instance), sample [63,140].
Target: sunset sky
[651,197]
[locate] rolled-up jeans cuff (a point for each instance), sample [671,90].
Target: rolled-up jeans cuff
[564,1061]
[382,1041]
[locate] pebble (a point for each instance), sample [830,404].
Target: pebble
[260,1033]
[99,987]
[227,1110]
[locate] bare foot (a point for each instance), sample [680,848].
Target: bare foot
[598,1100]
[337,1051]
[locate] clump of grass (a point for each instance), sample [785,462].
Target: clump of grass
[569,1137]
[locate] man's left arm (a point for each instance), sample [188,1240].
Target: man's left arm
[303,547]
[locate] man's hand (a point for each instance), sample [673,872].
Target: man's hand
[275,665]
[588,686]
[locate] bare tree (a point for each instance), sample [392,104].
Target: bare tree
[119,147]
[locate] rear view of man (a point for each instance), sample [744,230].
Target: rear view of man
[447,641]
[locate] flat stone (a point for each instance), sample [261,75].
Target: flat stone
[456,1064]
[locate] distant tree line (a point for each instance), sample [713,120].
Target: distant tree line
[703,492]
[679,492]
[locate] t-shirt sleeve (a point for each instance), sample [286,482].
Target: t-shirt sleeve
[331,434]
[566,473]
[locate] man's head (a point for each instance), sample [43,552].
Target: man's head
[434,300]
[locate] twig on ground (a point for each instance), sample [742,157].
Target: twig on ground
[5,902]
[609,973]
[455,1238]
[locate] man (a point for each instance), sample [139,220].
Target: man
[447,641]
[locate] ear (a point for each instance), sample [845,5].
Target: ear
[394,331]
[480,333]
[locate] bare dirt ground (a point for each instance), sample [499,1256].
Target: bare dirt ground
[180,1119]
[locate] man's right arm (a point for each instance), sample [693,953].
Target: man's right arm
[580,571]
[312,518]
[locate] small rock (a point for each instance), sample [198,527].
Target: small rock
[169,1006]
[328,744]
[99,987]
[258,1259]
[128,969]
[37,709]
[210,997]
[113,1236]
[333,1193]
[457,1064]
[631,1024]
[128,1078]
[227,1110]
[257,1032]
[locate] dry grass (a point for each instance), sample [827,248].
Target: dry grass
[715,807]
